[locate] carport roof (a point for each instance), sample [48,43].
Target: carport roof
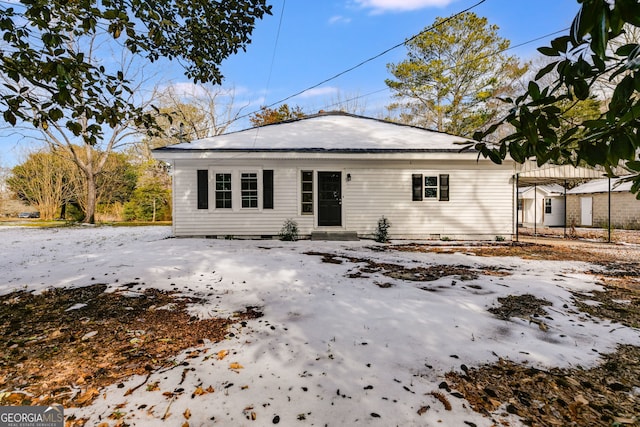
[530,173]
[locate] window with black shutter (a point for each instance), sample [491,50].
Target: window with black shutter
[203,189]
[267,189]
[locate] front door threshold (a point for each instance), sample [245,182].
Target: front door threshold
[342,236]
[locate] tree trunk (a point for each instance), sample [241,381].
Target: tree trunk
[90,209]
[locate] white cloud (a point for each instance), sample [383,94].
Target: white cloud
[187,90]
[380,6]
[191,90]
[320,91]
[339,19]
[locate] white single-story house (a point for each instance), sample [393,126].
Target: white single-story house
[541,205]
[338,173]
[588,204]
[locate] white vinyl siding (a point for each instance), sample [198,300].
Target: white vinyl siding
[480,203]
[480,198]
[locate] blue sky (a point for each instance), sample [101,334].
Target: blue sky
[319,39]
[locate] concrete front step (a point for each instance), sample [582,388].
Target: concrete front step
[334,235]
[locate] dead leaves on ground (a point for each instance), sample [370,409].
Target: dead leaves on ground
[64,340]
[600,396]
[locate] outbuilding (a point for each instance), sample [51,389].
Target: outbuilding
[541,205]
[601,202]
[339,174]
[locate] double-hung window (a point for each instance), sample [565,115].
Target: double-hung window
[249,189]
[307,192]
[223,191]
[430,187]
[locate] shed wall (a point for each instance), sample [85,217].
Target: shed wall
[625,210]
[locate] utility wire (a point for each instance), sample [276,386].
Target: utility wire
[465,63]
[384,52]
[273,58]
[431,28]
[275,46]
[366,61]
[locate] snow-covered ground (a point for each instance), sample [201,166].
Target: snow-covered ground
[330,349]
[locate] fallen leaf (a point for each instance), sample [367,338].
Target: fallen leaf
[187,413]
[423,409]
[89,335]
[200,391]
[222,354]
[12,398]
[185,424]
[87,396]
[580,399]
[621,420]
[235,365]
[153,386]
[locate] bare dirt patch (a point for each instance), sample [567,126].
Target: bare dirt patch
[521,250]
[62,345]
[415,274]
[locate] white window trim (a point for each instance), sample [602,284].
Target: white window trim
[238,192]
[425,186]
[233,186]
[313,192]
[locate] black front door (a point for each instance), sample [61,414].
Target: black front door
[329,198]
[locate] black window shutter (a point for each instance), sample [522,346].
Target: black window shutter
[267,189]
[417,186]
[203,189]
[444,188]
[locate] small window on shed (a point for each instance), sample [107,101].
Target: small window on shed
[547,206]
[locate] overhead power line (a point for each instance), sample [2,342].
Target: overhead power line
[384,52]
[464,63]
[366,61]
[275,46]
